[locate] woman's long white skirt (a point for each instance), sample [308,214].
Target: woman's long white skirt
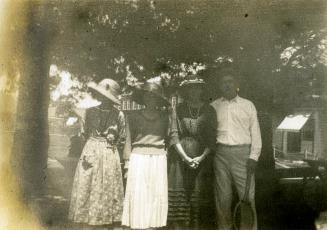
[146,198]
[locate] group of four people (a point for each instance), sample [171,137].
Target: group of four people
[220,139]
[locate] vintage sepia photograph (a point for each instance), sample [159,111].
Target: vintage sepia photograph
[163,114]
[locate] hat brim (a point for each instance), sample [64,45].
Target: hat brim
[191,83]
[138,93]
[107,94]
[182,90]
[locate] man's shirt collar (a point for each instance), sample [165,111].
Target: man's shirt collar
[235,99]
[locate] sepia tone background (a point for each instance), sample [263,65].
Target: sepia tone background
[51,49]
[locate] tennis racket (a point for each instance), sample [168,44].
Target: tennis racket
[243,216]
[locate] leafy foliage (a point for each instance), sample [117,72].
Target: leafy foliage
[132,41]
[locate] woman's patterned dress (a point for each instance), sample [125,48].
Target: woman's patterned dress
[97,194]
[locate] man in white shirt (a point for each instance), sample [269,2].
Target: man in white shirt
[238,147]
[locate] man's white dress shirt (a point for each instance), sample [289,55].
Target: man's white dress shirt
[238,124]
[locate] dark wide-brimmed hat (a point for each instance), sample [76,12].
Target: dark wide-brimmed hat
[191,80]
[108,88]
[150,87]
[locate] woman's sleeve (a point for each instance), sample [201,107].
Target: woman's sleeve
[83,119]
[173,128]
[210,128]
[121,130]
[128,140]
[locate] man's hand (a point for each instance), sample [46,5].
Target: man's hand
[250,166]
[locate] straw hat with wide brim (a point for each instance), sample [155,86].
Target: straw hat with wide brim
[192,80]
[108,88]
[150,87]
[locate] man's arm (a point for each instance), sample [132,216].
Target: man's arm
[256,143]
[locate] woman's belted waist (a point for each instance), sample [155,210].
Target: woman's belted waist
[233,146]
[148,149]
[196,137]
[98,138]
[110,144]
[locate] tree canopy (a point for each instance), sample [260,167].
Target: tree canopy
[273,44]
[133,40]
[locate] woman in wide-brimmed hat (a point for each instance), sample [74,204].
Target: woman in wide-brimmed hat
[146,197]
[97,194]
[189,164]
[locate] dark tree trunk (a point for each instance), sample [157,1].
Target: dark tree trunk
[31,133]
